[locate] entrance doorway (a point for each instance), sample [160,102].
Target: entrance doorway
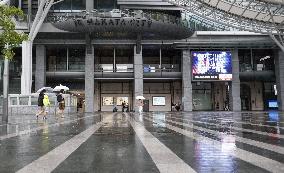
[245,97]
[146,106]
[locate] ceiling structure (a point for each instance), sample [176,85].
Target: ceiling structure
[260,16]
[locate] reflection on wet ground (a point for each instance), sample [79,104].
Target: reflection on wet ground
[149,142]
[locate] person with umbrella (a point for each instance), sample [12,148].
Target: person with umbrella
[43,101]
[140,103]
[61,103]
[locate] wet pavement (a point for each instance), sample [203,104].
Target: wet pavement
[150,142]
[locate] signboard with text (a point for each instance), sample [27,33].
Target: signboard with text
[212,66]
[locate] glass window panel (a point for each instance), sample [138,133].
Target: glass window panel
[64,5]
[56,59]
[24,100]
[76,59]
[78,4]
[107,101]
[13,101]
[105,4]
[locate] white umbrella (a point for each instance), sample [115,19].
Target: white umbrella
[60,87]
[140,97]
[48,89]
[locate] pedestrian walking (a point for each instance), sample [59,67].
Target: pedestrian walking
[140,106]
[40,103]
[61,103]
[46,103]
[123,106]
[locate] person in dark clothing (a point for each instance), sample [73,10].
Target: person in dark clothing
[177,106]
[123,106]
[40,103]
[61,103]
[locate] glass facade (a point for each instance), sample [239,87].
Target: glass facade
[56,59]
[69,5]
[105,4]
[65,58]
[76,59]
[124,59]
[168,60]
[256,60]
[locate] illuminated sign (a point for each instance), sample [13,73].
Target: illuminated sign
[212,65]
[159,101]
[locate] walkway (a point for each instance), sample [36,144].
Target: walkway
[152,142]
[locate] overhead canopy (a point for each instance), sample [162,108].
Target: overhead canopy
[256,16]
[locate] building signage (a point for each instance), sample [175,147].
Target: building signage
[113,22]
[212,66]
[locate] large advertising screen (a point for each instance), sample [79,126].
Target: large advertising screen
[212,65]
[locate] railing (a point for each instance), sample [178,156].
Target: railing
[28,104]
[256,67]
[152,68]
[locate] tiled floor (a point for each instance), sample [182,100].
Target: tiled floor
[150,142]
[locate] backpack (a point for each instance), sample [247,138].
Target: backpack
[59,98]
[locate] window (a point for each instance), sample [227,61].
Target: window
[70,5]
[76,59]
[56,59]
[159,101]
[124,60]
[78,4]
[105,4]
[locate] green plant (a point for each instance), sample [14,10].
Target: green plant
[9,36]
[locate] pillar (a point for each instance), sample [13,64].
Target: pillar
[40,77]
[235,98]
[89,5]
[26,78]
[138,76]
[89,76]
[97,96]
[186,81]
[279,73]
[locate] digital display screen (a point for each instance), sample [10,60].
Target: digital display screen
[159,101]
[212,65]
[272,104]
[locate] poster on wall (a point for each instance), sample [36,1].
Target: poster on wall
[159,101]
[120,100]
[212,66]
[107,101]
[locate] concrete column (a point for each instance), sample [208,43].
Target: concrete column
[138,76]
[40,78]
[279,73]
[97,97]
[89,76]
[89,5]
[26,78]
[235,98]
[186,81]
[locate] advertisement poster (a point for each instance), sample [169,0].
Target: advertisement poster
[212,65]
[159,101]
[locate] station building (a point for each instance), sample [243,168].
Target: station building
[110,51]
